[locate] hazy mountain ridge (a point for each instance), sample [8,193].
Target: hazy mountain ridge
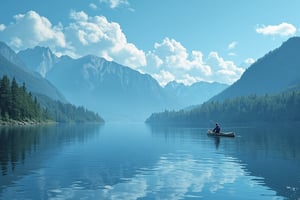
[12,66]
[118,91]
[196,93]
[111,89]
[275,72]
[268,91]
[10,55]
[108,87]
[43,60]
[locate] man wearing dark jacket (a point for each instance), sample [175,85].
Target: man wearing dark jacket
[217,129]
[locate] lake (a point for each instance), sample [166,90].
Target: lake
[137,161]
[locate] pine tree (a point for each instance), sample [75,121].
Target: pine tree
[5,97]
[16,104]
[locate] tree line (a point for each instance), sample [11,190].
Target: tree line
[283,107]
[18,104]
[66,112]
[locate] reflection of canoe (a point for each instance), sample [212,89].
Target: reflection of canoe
[228,134]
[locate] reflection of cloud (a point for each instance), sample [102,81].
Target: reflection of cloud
[176,177]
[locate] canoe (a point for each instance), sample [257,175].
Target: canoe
[228,134]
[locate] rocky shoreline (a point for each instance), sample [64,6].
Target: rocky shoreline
[23,122]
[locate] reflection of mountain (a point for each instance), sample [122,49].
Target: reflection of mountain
[131,161]
[269,151]
[44,154]
[23,150]
[273,153]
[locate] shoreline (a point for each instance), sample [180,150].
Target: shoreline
[20,123]
[12,122]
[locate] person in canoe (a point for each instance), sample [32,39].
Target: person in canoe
[217,129]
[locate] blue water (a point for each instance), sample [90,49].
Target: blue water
[136,161]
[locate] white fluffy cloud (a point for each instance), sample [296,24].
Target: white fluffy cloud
[174,55]
[115,3]
[249,61]
[31,29]
[2,27]
[96,35]
[224,71]
[163,77]
[170,60]
[283,29]
[93,6]
[232,45]
[83,35]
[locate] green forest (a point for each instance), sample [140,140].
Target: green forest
[284,107]
[66,112]
[19,105]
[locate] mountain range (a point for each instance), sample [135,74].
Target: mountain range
[12,66]
[268,91]
[115,91]
[119,92]
[196,93]
[277,71]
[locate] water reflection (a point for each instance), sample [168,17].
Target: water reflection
[217,141]
[140,162]
[273,152]
[178,176]
[23,149]
[267,150]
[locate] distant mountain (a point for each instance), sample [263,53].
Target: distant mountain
[9,55]
[115,91]
[194,94]
[43,60]
[12,66]
[277,71]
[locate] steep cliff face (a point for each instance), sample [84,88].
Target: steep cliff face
[39,59]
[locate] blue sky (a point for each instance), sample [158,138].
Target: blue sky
[182,40]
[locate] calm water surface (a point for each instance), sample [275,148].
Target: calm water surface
[136,161]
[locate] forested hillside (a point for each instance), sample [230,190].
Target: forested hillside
[66,112]
[16,103]
[275,72]
[19,105]
[284,107]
